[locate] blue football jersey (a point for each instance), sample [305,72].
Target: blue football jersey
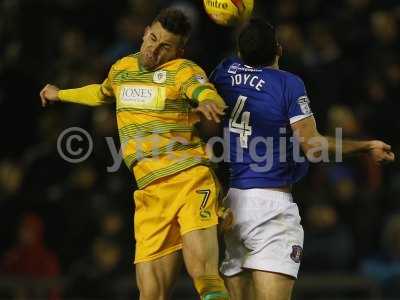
[263,103]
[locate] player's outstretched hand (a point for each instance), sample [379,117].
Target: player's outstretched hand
[380,152]
[49,93]
[210,110]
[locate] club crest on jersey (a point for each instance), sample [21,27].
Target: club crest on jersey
[160,76]
[304,104]
[233,68]
[296,254]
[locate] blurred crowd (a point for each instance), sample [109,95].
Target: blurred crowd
[74,221]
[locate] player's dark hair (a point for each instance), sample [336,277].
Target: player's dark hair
[257,43]
[175,21]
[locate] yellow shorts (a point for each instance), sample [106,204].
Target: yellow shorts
[171,207]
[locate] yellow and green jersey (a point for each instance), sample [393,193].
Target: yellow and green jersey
[155,121]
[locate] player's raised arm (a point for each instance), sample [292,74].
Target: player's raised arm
[313,143]
[92,95]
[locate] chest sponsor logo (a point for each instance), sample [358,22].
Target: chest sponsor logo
[160,76]
[233,68]
[145,97]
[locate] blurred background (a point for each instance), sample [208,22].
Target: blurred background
[66,229]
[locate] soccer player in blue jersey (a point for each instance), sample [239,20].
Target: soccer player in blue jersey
[267,108]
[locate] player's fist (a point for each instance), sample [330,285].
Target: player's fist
[380,151]
[49,93]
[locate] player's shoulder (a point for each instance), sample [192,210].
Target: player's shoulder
[126,61]
[288,77]
[184,63]
[227,66]
[283,78]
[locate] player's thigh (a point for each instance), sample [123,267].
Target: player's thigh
[200,204]
[200,251]
[155,278]
[240,286]
[198,221]
[272,286]
[157,231]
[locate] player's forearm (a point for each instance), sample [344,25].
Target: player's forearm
[88,95]
[347,146]
[316,147]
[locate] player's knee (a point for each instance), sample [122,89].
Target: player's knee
[152,290]
[201,265]
[200,269]
[211,287]
[147,293]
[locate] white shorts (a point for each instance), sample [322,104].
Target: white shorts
[266,235]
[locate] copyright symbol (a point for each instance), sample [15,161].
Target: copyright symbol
[74,145]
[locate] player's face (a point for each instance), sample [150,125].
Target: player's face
[159,46]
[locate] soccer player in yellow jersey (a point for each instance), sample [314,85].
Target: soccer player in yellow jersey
[177,200]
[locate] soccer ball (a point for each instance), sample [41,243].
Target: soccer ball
[228,12]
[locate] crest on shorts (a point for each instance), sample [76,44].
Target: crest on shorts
[205,215]
[160,76]
[297,253]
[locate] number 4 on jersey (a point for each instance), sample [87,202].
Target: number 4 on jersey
[243,128]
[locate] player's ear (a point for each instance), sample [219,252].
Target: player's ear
[180,52]
[181,47]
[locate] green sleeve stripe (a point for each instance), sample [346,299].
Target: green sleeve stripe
[199,90]
[215,296]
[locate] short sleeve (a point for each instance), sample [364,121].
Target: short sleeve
[298,104]
[192,81]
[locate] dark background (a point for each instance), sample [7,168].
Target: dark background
[72,222]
